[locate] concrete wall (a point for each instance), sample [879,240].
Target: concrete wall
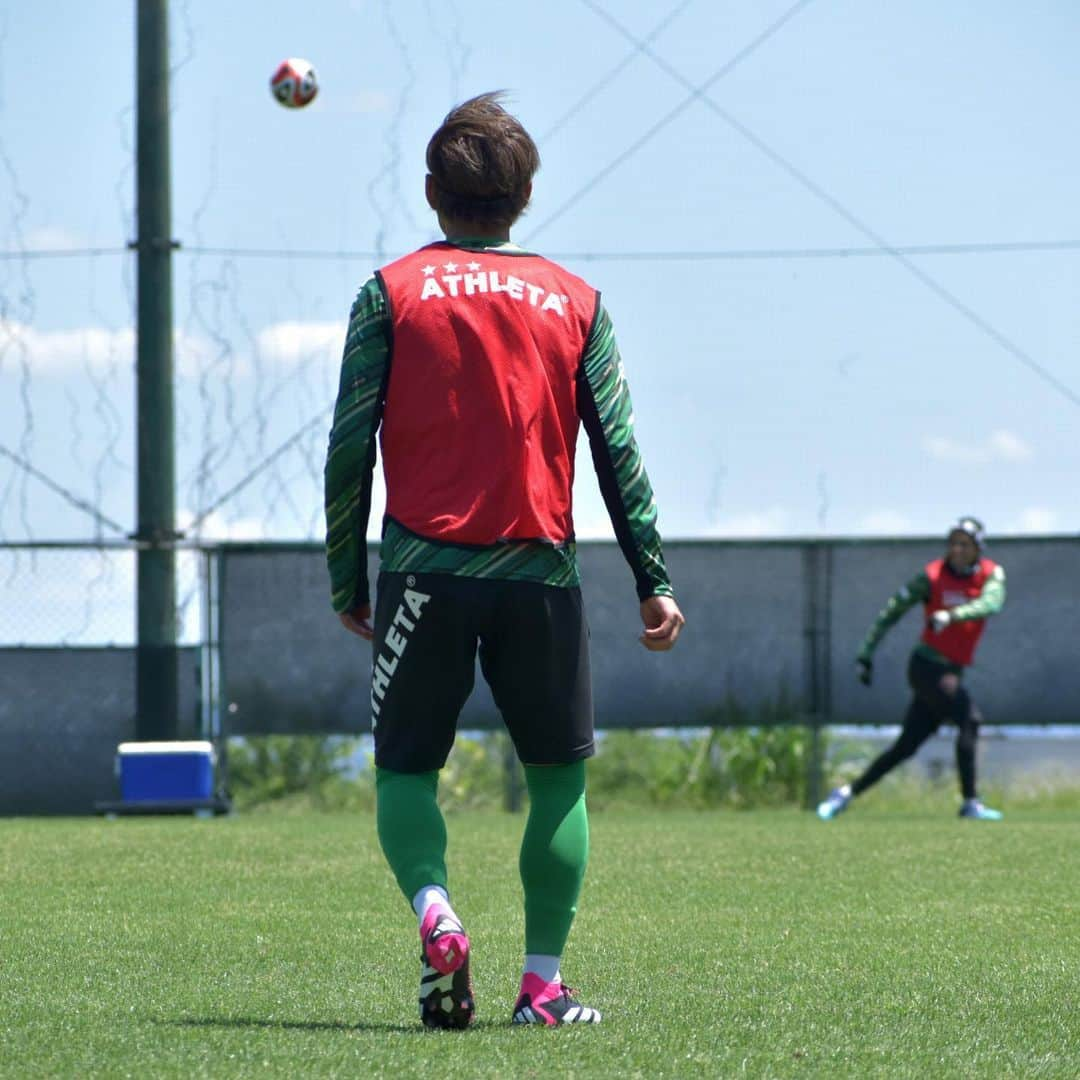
[289,665]
[62,714]
[744,639]
[764,621]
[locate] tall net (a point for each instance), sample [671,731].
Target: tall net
[796,368]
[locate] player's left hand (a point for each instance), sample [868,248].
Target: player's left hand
[358,621]
[865,670]
[939,620]
[663,620]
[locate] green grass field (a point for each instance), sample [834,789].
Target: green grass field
[887,943]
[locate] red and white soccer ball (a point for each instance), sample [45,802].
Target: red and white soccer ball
[294,84]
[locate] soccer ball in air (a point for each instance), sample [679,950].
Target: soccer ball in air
[294,84]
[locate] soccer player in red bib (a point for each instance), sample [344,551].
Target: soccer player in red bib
[474,363]
[958,593]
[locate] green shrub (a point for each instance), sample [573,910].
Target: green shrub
[746,760]
[736,767]
[311,770]
[636,768]
[321,772]
[762,765]
[740,758]
[475,773]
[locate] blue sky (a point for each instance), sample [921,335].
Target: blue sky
[773,396]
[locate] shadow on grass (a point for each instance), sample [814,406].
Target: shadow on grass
[308,1025]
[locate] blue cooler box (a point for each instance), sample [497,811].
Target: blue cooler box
[158,771]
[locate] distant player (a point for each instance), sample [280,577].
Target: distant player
[958,593]
[476,362]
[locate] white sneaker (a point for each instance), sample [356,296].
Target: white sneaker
[836,803]
[972,808]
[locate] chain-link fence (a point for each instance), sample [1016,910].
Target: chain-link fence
[260,650]
[67,668]
[767,621]
[65,594]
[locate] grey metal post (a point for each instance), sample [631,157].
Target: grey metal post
[216,636]
[817,635]
[156,687]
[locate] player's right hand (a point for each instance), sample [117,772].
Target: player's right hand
[358,621]
[865,670]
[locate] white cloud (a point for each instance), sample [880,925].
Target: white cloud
[1037,519]
[292,341]
[217,527]
[885,522]
[1001,445]
[93,350]
[593,523]
[1010,447]
[96,350]
[378,505]
[192,355]
[772,521]
[53,238]
[59,352]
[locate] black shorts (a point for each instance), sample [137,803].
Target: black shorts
[534,653]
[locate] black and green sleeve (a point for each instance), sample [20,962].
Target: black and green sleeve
[607,415]
[916,591]
[989,602]
[350,459]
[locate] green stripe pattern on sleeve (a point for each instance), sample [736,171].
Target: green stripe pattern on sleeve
[916,591]
[989,602]
[350,459]
[607,413]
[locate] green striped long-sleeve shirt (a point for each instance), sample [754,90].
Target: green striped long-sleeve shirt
[917,591]
[606,413]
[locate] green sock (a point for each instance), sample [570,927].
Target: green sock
[554,851]
[411,828]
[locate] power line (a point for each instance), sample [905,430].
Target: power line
[605,80]
[60,253]
[63,492]
[695,93]
[989,247]
[257,471]
[856,223]
[779,254]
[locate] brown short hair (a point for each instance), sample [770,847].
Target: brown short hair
[482,161]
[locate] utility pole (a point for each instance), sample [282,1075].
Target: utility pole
[156,715]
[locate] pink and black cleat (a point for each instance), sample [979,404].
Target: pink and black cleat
[551,1004]
[446,996]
